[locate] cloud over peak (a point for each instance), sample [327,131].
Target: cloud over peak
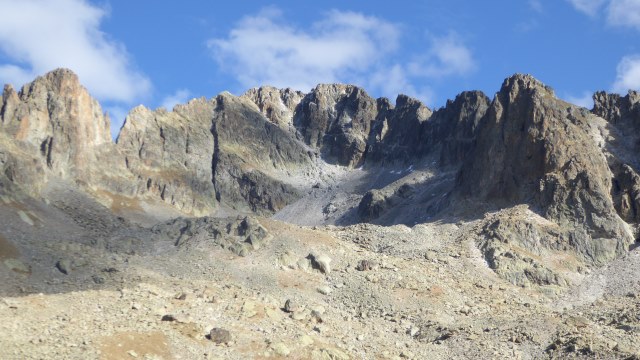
[347,47]
[37,36]
[261,49]
[628,74]
[618,13]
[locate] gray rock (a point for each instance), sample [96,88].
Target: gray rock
[366,265]
[533,148]
[240,235]
[64,266]
[220,336]
[168,317]
[17,265]
[289,306]
[320,262]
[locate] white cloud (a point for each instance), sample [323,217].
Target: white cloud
[585,100]
[343,47]
[536,6]
[446,56]
[262,50]
[394,80]
[589,7]
[40,35]
[620,13]
[628,74]
[179,97]
[624,13]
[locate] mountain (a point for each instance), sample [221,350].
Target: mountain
[537,191]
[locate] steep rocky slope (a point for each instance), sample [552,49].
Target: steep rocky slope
[508,217]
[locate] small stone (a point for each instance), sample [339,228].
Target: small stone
[288,260]
[168,317]
[320,262]
[132,353]
[366,265]
[281,349]
[248,309]
[182,296]
[305,340]
[97,279]
[24,217]
[414,331]
[17,266]
[324,290]
[304,264]
[220,336]
[317,317]
[300,315]
[64,266]
[272,314]
[289,306]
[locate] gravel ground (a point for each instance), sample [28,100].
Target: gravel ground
[78,282]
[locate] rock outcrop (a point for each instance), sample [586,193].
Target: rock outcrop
[336,120]
[622,145]
[239,235]
[277,105]
[533,148]
[397,135]
[252,155]
[453,129]
[55,115]
[170,154]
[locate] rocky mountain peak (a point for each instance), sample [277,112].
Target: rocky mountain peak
[56,114]
[536,149]
[519,83]
[277,105]
[616,108]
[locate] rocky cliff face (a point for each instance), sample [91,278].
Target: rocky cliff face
[56,115]
[264,150]
[170,154]
[535,149]
[336,120]
[253,157]
[277,105]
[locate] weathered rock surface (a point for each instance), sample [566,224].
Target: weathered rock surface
[534,148]
[58,118]
[453,128]
[170,154]
[397,132]
[239,235]
[252,155]
[277,105]
[622,143]
[336,120]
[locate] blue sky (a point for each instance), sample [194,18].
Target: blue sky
[161,53]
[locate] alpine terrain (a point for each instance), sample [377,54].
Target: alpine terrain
[322,225]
